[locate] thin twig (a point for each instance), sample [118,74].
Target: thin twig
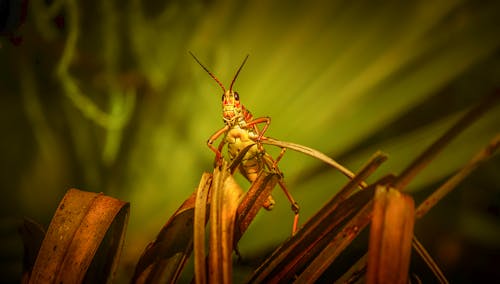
[428,155]
[452,182]
[419,248]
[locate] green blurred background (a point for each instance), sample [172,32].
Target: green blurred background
[103,96]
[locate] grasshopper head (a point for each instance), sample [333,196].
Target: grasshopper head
[231,107]
[232,110]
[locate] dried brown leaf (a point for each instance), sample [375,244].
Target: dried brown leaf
[32,235]
[164,258]
[356,271]
[253,200]
[200,220]
[391,232]
[77,230]
[225,196]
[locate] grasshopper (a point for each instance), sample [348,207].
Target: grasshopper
[242,133]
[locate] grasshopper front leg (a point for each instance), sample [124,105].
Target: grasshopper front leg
[211,140]
[253,123]
[260,133]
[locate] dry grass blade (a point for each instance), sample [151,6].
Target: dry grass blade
[482,156]
[391,232]
[419,248]
[313,153]
[451,183]
[231,194]
[337,242]
[253,200]
[290,258]
[373,163]
[224,202]
[426,157]
[75,234]
[341,239]
[200,220]
[164,258]
[239,158]
[355,273]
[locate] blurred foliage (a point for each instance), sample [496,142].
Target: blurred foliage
[103,96]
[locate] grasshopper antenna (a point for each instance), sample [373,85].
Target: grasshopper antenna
[238,72]
[212,75]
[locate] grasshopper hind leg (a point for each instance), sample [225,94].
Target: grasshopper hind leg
[272,165]
[294,204]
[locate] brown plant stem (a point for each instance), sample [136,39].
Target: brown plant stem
[452,182]
[430,153]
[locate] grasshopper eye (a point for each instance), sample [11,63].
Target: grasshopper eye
[236,96]
[222,97]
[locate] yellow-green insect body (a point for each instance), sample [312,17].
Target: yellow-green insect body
[240,135]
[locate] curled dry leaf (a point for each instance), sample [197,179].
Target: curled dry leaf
[83,223]
[32,235]
[200,220]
